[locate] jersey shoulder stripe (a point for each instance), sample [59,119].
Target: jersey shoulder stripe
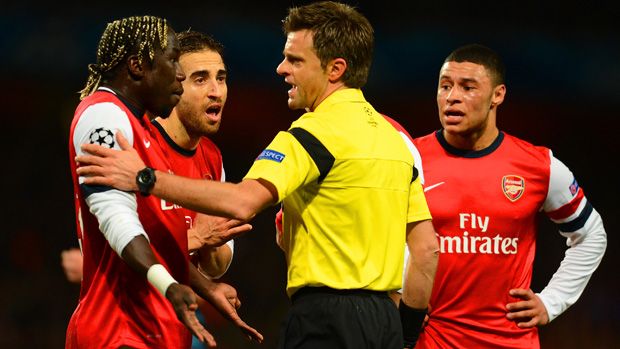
[323,159]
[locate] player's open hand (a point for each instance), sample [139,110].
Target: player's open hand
[224,298]
[184,302]
[529,311]
[110,167]
[212,231]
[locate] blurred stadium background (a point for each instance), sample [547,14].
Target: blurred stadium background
[563,67]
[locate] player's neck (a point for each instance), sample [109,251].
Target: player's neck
[177,132]
[473,141]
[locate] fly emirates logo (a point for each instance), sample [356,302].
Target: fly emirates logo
[476,239]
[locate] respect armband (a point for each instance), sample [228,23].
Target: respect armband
[160,278]
[411,319]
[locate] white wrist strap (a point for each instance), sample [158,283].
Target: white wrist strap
[159,277]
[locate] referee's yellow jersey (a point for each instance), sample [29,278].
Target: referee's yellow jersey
[344,176]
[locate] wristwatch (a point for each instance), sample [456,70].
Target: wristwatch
[146,180]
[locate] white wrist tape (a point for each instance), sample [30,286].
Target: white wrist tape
[159,277]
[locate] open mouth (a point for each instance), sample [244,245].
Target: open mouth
[213,111]
[292,90]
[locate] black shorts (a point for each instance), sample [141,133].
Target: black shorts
[324,318]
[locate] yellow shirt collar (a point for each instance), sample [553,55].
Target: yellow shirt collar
[344,95]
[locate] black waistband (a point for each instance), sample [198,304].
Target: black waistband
[306,291]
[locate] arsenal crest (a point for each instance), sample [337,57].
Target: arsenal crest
[513,187]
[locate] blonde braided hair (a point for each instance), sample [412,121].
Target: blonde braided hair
[120,37]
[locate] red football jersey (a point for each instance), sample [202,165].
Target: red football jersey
[117,306]
[203,162]
[484,206]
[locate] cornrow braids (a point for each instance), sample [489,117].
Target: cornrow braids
[139,34]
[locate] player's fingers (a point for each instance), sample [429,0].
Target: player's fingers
[521,305]
[528,324]
[192,323]
[89,171]
[98,180]
[239,230]
[232,315]
[96,149]
[86,159]
[229,223]
[524,314]
[232,299]
[236,303]
[521,293]
[122,141]
[251,332]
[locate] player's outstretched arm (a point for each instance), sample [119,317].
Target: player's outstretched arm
[224,298]
[118,169]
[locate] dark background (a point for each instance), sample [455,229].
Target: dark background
[563,65]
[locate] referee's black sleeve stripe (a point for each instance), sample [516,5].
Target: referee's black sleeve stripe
[415,174]
[92,189]
[578,222]
[323,159]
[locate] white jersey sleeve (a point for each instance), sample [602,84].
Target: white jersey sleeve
[115,210]
[580,223]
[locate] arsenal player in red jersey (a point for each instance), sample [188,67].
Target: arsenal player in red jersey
[484,188]
[184,139]
[135,251]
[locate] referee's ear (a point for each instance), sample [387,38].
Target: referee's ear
[335,69]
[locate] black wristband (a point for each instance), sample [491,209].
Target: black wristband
[411,320]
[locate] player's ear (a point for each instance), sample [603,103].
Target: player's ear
[135,68]
[499,92]
[336,69]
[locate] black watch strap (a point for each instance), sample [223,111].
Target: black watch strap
[146,180]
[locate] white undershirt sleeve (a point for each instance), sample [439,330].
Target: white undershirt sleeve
[115,210]
[587,241]
[118,219]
